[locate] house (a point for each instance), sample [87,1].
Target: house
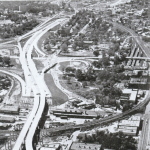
[85,146]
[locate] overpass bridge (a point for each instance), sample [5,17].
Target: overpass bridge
[34,83]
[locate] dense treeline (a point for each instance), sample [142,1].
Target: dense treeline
[117,141]
[12,30]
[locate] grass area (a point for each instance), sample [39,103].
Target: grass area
[40,42]
[63,65]
[57,95]
[16,83]
[16,63]
[38,64]
[34,53]
[22,42]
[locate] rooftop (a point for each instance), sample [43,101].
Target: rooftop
[54,146]
[130,123]
[133,93]
[85,146]
[9,108]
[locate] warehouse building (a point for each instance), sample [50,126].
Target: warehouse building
[75,113]
[85,146]
[14,110]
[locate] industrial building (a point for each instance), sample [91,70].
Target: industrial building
[14,110]
[75,113]
[85,146]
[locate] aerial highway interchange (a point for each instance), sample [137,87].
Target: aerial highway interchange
[34,83]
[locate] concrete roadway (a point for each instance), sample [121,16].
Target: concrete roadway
[42,89]
[144,142]
[35,83]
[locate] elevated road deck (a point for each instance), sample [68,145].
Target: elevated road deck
[144,143]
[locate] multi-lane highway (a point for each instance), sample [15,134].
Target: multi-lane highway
[35,84]
[144,142]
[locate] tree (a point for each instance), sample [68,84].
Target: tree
[1,58]
[90,74]
[53,41]
[64,47]
[68,80]
[105,61]
[48,47]
[117,141]
[78,74]
[6,60]
[116,60]
[74,46]
[96,53]
[84,84]
[46,41]
[70,69]
[116,47]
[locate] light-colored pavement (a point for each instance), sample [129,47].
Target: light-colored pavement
[144,142]
[34,83]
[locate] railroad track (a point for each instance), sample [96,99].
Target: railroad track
[87,125]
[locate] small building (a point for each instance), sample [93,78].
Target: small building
[88,43]
[138,81]
[85,146]
[7,119]
[129,123]
[9,109]
[55,146]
